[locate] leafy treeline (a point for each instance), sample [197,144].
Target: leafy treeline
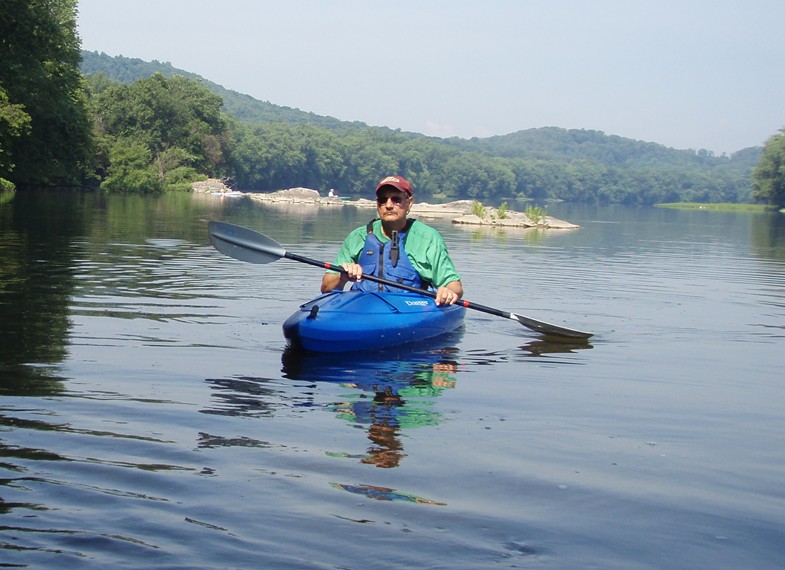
[147,127]
[242,107]
[769,176]
[44,121]
[275,147]
[278,156]
[157,134]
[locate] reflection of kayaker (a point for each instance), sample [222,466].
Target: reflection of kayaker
[394,407]
[384,494]
[391,391]
[398,365]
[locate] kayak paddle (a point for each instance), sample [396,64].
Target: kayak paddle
[251,246]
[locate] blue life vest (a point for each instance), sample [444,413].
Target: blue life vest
[387,260]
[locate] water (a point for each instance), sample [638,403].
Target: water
[150,416]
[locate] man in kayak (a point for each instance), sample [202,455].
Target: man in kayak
[396,248]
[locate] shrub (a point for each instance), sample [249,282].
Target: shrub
[535,214]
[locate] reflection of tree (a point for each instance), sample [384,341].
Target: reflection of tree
[51,243]
[244,396]
[767,236]
[36,282]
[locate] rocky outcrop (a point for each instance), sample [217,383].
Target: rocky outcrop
[210,186]
[514,220]
[296,196]
[292,195]
[460,211]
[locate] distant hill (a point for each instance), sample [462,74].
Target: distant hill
[549,144]
[243,107]
[553,143]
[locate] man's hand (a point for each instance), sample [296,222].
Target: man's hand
[449,294]
[354,271]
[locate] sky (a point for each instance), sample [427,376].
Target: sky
[699,74]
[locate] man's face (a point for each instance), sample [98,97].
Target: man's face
[392,204]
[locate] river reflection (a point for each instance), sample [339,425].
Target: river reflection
[150,416]
[385,409]
[381,395]
[390,392]
[543,346]
[387,393]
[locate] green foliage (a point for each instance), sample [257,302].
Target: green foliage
[171,166]
[165,113]
[170,127]
[535,213]
[131,169]
[6,186]
[715,207]
[502,213]
[273,156]
[39,73]
[768,179]
[244,108]
[14,123]
[269,147]
[478,209]
[134,169]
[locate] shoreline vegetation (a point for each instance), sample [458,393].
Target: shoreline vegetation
[720,207]
[468,212]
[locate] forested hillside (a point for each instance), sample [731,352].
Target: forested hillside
[69,117]
[242,107]
[273,147]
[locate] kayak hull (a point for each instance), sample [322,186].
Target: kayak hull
[341,321]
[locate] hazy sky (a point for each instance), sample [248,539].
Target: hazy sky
[683,73]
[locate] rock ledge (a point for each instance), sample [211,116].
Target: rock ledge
[460,210]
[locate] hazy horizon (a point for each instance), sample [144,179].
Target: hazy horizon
[682,74]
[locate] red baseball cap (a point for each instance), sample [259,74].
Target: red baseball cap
[398,182]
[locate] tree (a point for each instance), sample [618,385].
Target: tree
[131,169]
[39,71]
[768,178]
[173,126]
[14,122]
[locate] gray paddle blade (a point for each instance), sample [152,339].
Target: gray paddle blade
[244,244]
[548,328]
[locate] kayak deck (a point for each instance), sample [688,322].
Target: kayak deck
[341,321]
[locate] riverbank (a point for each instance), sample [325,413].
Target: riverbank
[460,211]
[718,206]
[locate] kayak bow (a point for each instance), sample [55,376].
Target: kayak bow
[341,321]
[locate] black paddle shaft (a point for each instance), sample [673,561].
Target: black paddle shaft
[254,247]
[539,326]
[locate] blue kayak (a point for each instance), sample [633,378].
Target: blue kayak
[342,321]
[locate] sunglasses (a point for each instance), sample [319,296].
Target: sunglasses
[397,200]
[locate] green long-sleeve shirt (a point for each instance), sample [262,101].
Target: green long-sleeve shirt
[424,246]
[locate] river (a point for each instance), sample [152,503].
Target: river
[151,417]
